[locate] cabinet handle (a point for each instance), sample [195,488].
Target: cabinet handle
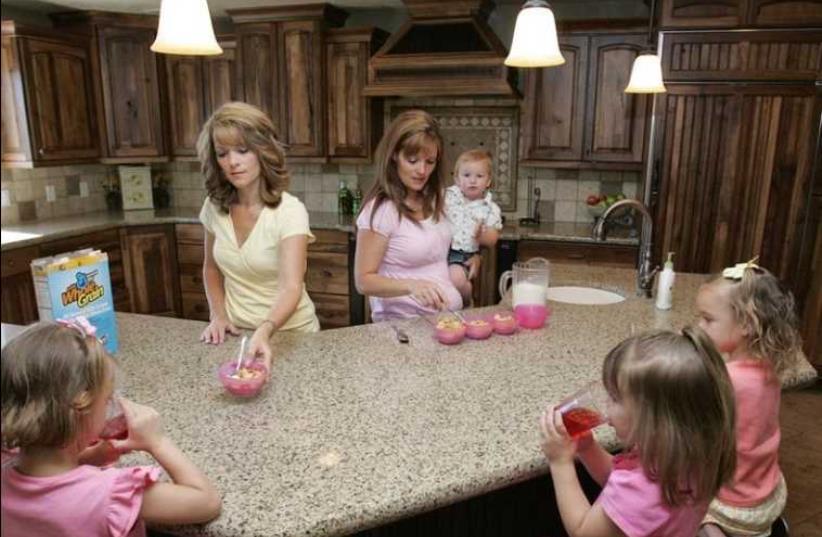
[327,273]
[11,262]
[41,151]
[575,256]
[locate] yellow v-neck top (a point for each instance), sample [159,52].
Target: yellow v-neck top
[250,272]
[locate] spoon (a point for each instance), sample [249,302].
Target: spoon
[241,354]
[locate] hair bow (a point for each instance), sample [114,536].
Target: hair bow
[81,324]
[737,271]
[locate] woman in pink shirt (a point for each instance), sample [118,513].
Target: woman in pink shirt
[750,317]
[57,382]
[672,408]
[403,237]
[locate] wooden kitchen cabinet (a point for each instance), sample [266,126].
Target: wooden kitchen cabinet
[577,115]
[151,269]
[190,256]
[258,72]
[739,13]
[354,121]
[197,86]
[576,253]
[18,304]
[48,105]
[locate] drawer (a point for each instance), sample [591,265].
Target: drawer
[332,310]
[190,233]
[18,261]
[195,306]
[615,255]
[192,282]
[190,254]
[327,273]
[329,241]
[102,240]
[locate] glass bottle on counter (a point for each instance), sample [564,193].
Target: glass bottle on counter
[344,199]
[356,201]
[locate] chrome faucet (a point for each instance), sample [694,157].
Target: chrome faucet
[645,274]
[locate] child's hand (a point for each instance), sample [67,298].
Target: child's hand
[103,453]
[144,429]
[557,444]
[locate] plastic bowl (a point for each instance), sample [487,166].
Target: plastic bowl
[449,330]
[479,328]
[504,323]
[242,387]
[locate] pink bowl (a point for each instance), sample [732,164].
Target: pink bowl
[450,336]
[504,323]
[242,387]
[479,328]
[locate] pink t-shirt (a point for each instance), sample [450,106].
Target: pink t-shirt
[418,252]
[88,501]
[757,393]
[635,503]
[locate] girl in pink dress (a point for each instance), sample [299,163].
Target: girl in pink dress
[750,317]
[57,381]
[403,237]
[671,406]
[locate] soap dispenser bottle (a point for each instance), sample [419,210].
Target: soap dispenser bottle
[665,284]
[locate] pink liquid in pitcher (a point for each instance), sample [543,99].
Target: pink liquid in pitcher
[531,315]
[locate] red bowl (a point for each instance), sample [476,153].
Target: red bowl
[242,387]
[478,328]
[504,323]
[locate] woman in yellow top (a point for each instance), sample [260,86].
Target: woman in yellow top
[257,234]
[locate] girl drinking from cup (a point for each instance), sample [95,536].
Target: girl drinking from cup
[750,317]
[671,405]
[57,380]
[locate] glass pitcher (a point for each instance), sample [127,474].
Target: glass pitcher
[529,288]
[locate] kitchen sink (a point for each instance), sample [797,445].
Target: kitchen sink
[583,295]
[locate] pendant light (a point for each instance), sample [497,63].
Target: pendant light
[535,37]
[646,73]
[185,28]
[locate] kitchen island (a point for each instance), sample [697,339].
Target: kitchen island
[356,430]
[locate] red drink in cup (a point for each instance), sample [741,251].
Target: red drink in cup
[584,410]
[116,427]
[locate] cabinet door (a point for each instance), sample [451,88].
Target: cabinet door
[258,69]
[219,79]
[152,270]
[735,166]
[130,93]
[60,100]
[785,12]
[702,13]
[555,105]
[349,115]
[15,139]
[18,301]
[186,106]
[301,88]
[615,120]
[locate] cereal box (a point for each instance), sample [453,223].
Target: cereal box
[77,283]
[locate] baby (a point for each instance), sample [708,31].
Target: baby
[475,218]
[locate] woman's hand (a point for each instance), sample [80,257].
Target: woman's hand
[557,444]
[144,429]
[474,264]
[259,346]
[427,294]
[217,331]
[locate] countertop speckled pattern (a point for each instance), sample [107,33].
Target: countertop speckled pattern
[355,430]
[26,234]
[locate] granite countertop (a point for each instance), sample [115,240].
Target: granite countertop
[355,430]
[27,234]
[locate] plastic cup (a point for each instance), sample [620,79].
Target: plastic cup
[584,410]
[116,427]
[531,315]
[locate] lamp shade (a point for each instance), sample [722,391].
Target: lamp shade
[185,28]
[646,75]
[535,37]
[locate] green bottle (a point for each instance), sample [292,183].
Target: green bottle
[344,199]
[356,201]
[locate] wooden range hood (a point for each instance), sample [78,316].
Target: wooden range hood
[446,48]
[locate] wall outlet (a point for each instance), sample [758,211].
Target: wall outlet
[5,200]
[83,189]
[51,194]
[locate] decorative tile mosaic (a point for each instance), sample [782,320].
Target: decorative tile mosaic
[492,128]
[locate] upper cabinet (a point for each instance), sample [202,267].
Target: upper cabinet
[354,121]
[739,13]
[197,86]
[48,103]
[280,60]
[128,82]
[577,114]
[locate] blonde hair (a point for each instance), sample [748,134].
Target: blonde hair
[51,377]
[407,134]
[683,410]
[765,309]
[257,133]
[474,155]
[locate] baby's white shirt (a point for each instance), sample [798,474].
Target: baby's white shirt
[464,215]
